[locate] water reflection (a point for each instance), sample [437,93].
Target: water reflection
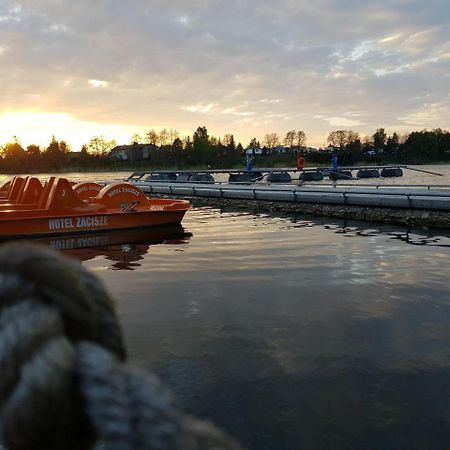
[294,332]
[125,249]
[300,332]
[435,237]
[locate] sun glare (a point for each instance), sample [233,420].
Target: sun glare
[38,127]
[28,119]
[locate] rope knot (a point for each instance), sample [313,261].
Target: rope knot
[63,379]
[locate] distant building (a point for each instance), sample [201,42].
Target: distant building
[74,156]
[133,152]
[253,151]
[280,149]
[310,149]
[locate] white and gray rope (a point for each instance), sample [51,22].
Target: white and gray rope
[64,381]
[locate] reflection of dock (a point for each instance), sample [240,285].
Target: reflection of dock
[124,248]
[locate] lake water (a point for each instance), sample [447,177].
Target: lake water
[289,332]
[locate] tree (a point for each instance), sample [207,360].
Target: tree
[173,134]
[99,146]
[201,133]
[367,141]
[56,153]
[13,150]
[187,143]
[254,143]
[33,151]
[338,138]
[271,140]
[14,155]
[53,147]
[84,152]
[403,138]
[64,147]
[392,143]
[426,145]
[353,150]
[201,144]
[301,138]
[290,138]
[152,137]
[164,136]
[228,141]
[352,136]
[177,145]
[135,138]
[379,138]
[200,138]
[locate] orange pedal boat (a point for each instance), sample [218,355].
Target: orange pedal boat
[59,210]
[24,194]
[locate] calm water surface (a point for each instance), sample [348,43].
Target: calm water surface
[293,333]
[287,331]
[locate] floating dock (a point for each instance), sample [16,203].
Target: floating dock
[421,197]
[270,175]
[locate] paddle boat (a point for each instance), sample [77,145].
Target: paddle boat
[4,188]
[12,190]
[26,192]
[63,208]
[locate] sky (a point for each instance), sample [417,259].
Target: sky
[78,69]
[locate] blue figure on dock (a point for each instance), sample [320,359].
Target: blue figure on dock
[249,162]
[334,161]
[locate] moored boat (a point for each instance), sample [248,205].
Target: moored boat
[388,172]
[245,177]
[339,174]
[23,193]
[311,176]
[278,176]
[367,173]
[59,210]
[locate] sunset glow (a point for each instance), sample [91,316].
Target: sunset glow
[39,127]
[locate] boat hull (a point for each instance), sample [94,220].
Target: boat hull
[46,225]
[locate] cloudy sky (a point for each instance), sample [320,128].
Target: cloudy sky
[248,67]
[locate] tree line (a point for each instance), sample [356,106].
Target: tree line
[417,147]
[169,149]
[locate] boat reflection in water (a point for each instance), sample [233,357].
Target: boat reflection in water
[123,248]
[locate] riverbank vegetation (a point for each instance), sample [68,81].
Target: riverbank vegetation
[167,150]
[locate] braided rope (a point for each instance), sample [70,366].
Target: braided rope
[64,383]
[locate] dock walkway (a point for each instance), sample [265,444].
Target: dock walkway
[427,197]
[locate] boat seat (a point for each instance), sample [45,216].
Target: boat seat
[31,192]
[15,189]
[62,196]
[44,194]
[29,197]
[4,189]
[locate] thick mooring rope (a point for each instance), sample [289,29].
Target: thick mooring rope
[64,383]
